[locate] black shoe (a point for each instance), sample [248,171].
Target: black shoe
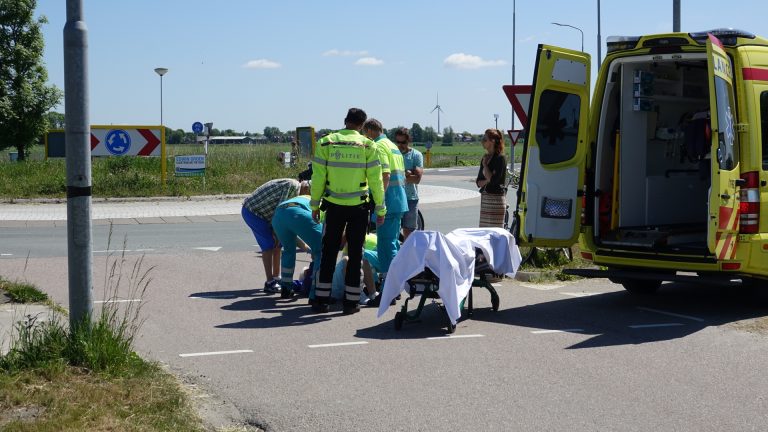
[350,307]
[286,292]
[319,305]
[374,302]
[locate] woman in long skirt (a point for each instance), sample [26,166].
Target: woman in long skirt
[491,180]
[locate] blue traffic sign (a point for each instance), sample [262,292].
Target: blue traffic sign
[428,145]
[197,127]
[117,142]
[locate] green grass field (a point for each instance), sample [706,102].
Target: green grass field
[232,169]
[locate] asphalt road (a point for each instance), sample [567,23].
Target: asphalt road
[578,356]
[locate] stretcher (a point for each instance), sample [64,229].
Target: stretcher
[432,265]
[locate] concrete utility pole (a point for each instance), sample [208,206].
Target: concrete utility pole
[77,135]
[675,15]
[599,38]
[513,62]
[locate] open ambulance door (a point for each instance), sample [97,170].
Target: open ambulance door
[552,174]
[723,225]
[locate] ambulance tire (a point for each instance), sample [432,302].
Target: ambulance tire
[640,286]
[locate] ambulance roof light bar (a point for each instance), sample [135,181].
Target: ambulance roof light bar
[620,43]
[726,35]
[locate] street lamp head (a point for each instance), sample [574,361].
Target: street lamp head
[161,71]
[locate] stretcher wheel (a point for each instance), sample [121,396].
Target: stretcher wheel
[451,327]
[399,318]
[495,303]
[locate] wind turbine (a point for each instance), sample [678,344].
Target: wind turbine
[439,110]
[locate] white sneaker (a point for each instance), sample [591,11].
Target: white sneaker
[272,286]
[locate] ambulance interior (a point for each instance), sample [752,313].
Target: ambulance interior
[654,196]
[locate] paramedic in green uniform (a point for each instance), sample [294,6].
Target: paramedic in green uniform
[394,196]
[346,176]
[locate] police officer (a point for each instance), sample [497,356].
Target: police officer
[346,176]
[395,199]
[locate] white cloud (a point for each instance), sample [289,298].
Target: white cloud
[468,61]
[344,53]
[369,61]
[262,64]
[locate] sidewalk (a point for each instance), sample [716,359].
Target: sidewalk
[12,313]
[35,213]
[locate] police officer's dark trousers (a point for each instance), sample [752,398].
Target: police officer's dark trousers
[337,218]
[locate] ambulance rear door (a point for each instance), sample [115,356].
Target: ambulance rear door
[723,226]
[552,174]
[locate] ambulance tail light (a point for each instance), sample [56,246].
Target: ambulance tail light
[749,207]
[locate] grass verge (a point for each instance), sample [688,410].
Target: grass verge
[62,377]
[231,169]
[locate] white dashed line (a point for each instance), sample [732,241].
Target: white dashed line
[213,296]
[579,294]
[337,344]
[6,254]
[209,248]
[643,326]
[540,287]
[575,330]
[456,336]
[117,301]
[122,250]
[692,318]
[215,353]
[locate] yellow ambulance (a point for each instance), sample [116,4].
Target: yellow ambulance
[663,176]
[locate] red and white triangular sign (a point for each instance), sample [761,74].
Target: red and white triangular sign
[514,135]
[520,97]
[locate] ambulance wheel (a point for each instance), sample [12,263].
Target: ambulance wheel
[399,318]
[640,286]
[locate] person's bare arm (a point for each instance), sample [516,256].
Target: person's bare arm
[414,176]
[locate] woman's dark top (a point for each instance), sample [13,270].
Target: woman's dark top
[498,167]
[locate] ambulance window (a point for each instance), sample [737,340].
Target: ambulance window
[728,146]
[557,126]
[764,127]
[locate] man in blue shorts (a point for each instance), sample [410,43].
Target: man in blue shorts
[258,210]
[414,168]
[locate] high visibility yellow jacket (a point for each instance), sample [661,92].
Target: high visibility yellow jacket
[394,196]
[346,171]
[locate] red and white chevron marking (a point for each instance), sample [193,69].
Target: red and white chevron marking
[144,141]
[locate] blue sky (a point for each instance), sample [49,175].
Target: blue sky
[247,64]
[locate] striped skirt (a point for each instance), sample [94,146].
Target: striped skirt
[492,209]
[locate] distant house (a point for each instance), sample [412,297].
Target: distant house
[231,140]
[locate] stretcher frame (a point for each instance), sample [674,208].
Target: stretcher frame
[430,283]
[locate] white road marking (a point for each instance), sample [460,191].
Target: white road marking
[541,287]
[456,336]
[213,296]
[643,326]
[117,301]
[215,353]
[122,250]
[209,248]
[579,294]
[449,169]
[692,318]
[4,254]
[338,344]
[574,330]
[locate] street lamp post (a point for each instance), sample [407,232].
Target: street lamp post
[161,71]
[573,27]
[496,118]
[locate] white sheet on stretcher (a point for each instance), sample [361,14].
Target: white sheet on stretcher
[452,258]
